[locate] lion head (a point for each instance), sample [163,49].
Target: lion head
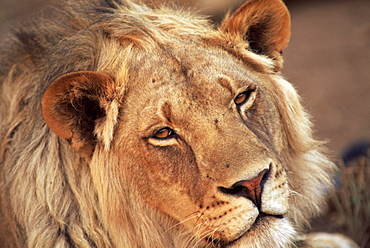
[161,131]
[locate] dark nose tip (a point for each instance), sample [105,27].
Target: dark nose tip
[250,189]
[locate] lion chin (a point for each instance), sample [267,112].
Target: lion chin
[261,231]
[128,126]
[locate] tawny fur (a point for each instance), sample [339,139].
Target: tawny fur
[54,194]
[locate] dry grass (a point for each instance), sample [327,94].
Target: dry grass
[350,210]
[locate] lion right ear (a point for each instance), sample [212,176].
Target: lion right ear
[73,105]
[264,24]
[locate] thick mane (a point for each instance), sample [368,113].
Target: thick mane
[304,156]
[65,204]
[55,184]
[81,32]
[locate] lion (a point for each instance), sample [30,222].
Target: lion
[129,126]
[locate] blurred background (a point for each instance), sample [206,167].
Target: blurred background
[328,61]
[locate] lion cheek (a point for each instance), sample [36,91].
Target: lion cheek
[275,204]
[241,224]
[173,200]
[224,221]
[274,199]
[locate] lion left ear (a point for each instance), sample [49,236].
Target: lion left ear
[75,104]
[265,24]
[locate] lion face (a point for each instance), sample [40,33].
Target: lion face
[210,144]
[197,127]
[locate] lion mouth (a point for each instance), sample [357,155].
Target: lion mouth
[262,219]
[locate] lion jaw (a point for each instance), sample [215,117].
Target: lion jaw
[231,217]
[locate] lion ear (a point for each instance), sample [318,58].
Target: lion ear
[265,24]
[72,106]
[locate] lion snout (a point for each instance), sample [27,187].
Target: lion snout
[268,191]
[250,189]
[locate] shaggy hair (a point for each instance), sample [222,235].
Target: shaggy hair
[48,197]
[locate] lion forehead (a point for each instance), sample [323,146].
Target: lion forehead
[186,92]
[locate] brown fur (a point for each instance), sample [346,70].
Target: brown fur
[83,95]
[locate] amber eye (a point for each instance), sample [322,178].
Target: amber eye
[242,97]
[163,133]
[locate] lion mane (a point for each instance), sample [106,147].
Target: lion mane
[128,126]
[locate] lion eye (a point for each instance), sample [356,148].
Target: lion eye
[163,133]
[242,97]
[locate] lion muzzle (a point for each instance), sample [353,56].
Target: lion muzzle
[250,189]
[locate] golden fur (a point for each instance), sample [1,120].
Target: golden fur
[143,136]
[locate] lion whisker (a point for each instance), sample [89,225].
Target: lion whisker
[293,192]
[179,223]
[199,234]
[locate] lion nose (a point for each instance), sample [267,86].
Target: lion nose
[250,189]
